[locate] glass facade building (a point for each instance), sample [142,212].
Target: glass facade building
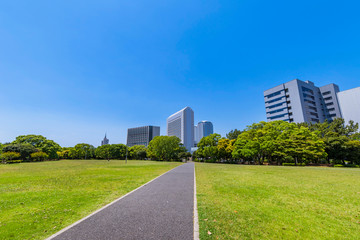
[181,125]
[203,129]
[141,135]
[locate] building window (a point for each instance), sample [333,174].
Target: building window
[276,105]
[326,93]
[274,100]
[276,111]
[328,98]
[274,94]
[307,90]
[277,116]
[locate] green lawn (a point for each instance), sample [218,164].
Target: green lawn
[271,202]
[39,199]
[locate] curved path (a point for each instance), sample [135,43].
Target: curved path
[161,209]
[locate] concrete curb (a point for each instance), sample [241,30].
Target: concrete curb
[116,200]
[196,216]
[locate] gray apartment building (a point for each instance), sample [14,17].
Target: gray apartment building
[301,101]
[141,135]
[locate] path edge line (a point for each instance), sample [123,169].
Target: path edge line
[108,205]
[196,215]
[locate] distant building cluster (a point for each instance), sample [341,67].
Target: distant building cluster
[181,125]
[301,101]
[295,101]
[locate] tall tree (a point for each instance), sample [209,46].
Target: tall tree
[24,149]
[82,151]
[165,148]
[233,134]
[40,142]
[103,152]
[207,147]
[137,152]
[225,148]
[353,151]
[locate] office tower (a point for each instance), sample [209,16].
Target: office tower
[203,129]
[141,135]
[298,101]
[181,125]
[349,101]
[105,141]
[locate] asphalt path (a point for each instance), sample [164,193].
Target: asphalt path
[162,209]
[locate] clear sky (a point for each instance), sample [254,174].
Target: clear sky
[73,70]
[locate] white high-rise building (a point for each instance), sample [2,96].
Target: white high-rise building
[181,125]
[349,102]
[203,129]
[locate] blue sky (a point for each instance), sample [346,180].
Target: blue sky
[72,70]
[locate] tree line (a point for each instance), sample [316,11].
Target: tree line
[283,143]
[30,148]
[277,143]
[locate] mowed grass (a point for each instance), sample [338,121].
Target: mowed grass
[39,199]
[271,202]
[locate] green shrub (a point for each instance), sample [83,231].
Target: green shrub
[347,165]
[338,165]
[293,164]
[39,156]
[10,157]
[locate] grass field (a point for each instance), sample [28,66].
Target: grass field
[39,199]
[271,202]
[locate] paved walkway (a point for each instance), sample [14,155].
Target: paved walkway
[162,209]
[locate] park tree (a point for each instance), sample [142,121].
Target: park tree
[247,147]
[39,156]
[165,148]
[279,141]
[118,151]
[256,142]
[103,152]
[111,151]
[64,154]
[233,134]
[353,151]
[42,143]
[137,152]
[225,148]
[302,145]
[24,149]
[82,151]
[207,147]
[335,146]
